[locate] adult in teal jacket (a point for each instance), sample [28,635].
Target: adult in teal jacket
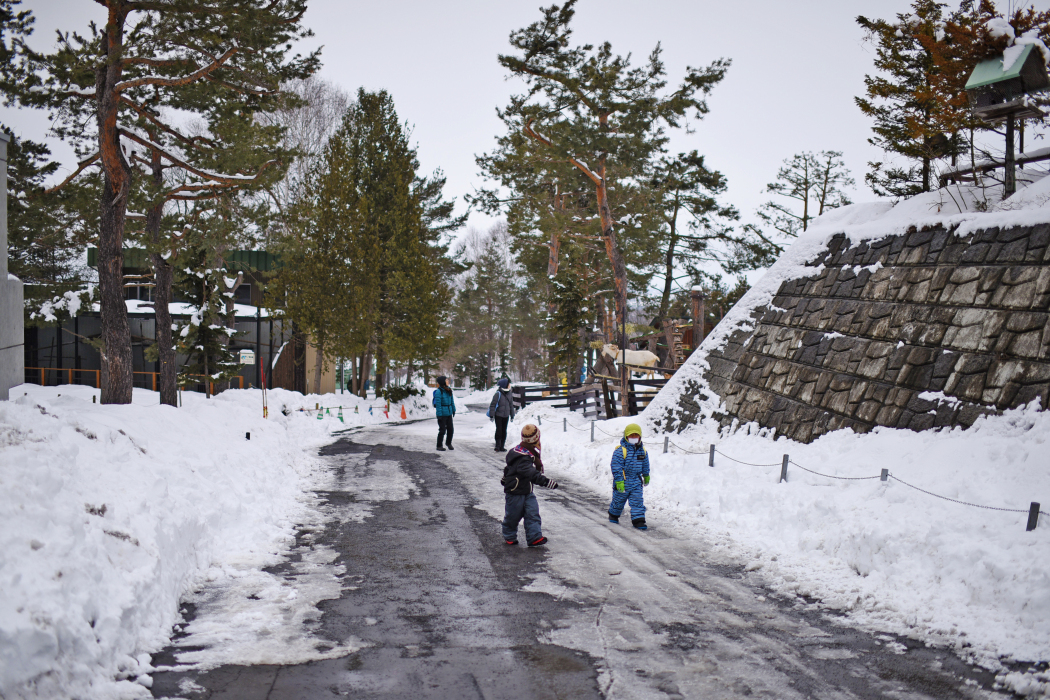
[445,404]
[630,471]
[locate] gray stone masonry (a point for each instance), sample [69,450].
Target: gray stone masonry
[12,353]
[855,344]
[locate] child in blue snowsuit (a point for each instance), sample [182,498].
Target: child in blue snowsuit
[630,470]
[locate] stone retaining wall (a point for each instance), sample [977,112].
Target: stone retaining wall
[884,321]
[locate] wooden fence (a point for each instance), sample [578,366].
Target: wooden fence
[600,399]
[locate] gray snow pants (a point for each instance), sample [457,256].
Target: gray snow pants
[518,507]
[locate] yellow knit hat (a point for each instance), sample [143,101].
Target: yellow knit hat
[632,429]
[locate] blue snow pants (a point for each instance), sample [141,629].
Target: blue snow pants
[518,507]
[632,494]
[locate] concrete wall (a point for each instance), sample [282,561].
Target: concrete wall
[855,344]
[11,298]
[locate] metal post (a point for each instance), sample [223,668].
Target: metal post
[1010,176]
[592,431]
[565,425]
[1033,516]
[711,459]
[885,475]
[784,470]
[539,421]
[666,440]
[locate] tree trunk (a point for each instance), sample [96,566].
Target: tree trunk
[298,360]
[319,364]
[381,367]
[665,298]
[163,275]
[619,268]
[115,353]
[366,370]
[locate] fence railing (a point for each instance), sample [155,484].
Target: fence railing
[1033,510]
[58,376]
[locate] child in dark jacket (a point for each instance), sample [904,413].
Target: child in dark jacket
[524,468]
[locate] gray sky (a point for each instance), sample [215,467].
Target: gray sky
[796,68]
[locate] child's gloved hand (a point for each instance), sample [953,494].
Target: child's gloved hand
[645,479]
[619,486]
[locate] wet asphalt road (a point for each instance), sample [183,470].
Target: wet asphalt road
[448,611]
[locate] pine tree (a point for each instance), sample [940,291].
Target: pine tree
[119,94]
[592,110]
[204,338]
[368,271]
[47,233]
[901,99]
[696,226]
[812,183]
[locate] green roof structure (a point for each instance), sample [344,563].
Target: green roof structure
[997,92]
[991,71]
[258,260]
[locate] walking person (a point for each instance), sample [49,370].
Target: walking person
[524,469]
[630,470]
[445,404]
[501,410]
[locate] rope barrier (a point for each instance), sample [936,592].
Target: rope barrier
[775,464]
[975,505]
[685,450]
[831,476]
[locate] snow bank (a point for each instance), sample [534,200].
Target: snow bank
[110,514]
[890,557]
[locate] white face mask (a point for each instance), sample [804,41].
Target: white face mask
[634,440]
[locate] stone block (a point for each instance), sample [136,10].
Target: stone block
[888,415]
[974,253]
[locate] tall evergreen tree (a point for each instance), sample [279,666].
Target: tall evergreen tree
[120,92]
[592,110]
[901,99]
[47,232]
[370,272]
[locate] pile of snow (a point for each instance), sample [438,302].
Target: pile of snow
[891,557]
[109,515]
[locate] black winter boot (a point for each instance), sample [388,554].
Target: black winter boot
[614,518]
[640,524]
[440,448]
[450,446]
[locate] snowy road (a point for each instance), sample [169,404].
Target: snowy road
[434,605]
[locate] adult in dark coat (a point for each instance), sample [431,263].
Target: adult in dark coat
[501,410]
[445,404]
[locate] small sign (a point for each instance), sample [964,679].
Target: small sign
[247,357]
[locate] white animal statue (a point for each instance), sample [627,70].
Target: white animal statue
[639,358]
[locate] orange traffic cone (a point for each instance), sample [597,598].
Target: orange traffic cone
[403,414]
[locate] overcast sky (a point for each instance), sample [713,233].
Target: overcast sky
[796,68]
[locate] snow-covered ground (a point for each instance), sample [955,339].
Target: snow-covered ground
[891,557]
[109,515]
